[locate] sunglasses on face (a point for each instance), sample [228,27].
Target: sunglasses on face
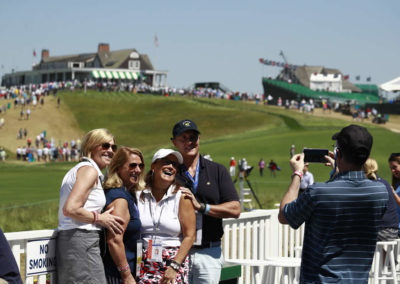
[192,138]
[134,165]
[107,146]
[165,162]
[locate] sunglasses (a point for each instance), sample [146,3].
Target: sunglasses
[134,165]
[192,138]
[107,146]
[165,162]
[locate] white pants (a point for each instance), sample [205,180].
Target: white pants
[205,265]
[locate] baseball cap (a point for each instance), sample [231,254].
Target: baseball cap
[184,125]
[355,141]
[162,153]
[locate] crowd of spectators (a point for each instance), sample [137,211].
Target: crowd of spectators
[46,150]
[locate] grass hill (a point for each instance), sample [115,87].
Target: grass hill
[29,192]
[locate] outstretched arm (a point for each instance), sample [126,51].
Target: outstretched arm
[297,165]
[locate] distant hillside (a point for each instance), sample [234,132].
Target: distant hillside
[59,123]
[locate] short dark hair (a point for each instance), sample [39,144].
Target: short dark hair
[355,143]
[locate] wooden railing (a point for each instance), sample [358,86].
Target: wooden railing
[255,235]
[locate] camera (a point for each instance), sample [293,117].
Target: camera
[315,155]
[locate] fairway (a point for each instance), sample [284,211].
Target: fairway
[29,192]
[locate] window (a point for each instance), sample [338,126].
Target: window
[134,64]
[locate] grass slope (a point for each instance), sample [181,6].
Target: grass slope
[229,128]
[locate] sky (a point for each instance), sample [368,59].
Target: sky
[219,40]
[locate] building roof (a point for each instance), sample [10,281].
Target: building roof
[108,59]
[303,74]
[83,57]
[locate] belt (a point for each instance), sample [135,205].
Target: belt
[209,245]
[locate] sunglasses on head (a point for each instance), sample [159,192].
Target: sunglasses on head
[165,162]
[107,146]
[134,165]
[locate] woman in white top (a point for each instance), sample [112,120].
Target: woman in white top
[168,223]
[81,201]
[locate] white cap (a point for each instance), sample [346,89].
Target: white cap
[162,153]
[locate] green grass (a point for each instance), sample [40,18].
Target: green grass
[29,193]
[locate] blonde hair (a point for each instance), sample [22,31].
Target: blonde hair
[120,157]
[93,139]
[370,168]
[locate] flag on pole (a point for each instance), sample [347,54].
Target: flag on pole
[34,53]
[155,40]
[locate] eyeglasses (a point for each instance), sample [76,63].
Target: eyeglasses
[192,138]
[107,146]
[134,165]
[165,162]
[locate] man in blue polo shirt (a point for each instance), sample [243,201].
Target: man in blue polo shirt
[341,216]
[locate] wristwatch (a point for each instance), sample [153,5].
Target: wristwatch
[175,265]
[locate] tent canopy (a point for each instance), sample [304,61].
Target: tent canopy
[113,74]
[391,86]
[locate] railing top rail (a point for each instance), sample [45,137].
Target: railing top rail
[24,235]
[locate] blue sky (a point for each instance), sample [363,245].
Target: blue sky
[211,40]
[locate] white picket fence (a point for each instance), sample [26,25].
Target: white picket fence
[255,235]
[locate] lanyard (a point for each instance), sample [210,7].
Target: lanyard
[196,177]
[156,224]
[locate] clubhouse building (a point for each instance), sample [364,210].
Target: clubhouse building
[126,65]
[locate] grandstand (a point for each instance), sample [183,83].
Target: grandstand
[308,82]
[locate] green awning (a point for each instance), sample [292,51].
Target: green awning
[95,74]
[128,75]
[109,75]
[121,75]
[115,74]
[102,74]
[134,75]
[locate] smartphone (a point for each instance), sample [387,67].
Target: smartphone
[315,155]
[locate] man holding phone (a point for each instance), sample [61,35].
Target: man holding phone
[341,216]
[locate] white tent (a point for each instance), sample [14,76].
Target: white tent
[390,90]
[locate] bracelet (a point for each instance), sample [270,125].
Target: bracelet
[96,217]
[298,173]
[202,208]
[175,265]
[123,268]
[208,207]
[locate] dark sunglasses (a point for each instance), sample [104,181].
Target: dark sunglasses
[107,146]
[134,165]
[192,138]
[165,162]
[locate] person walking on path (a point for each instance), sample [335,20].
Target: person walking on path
[261,166]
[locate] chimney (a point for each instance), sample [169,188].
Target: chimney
[103,47]
[45,53]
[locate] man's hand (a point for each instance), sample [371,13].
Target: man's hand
[297,162]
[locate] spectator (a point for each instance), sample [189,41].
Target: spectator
[394,165]
[308,178]
[273,167]
[388,229]
[125,176]
[232,167]
[261,166]
[213,196]
[81,201]
[8,267]
[168,222]
[342,216]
